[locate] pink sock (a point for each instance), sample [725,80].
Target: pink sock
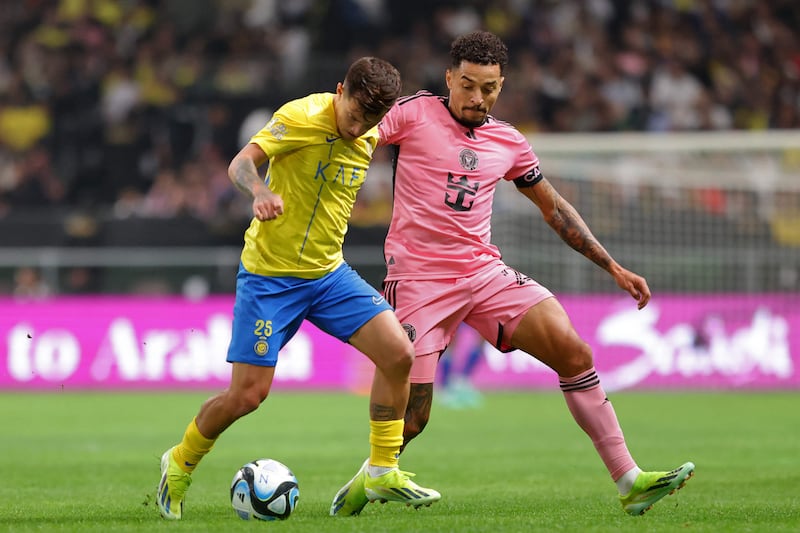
[593,412]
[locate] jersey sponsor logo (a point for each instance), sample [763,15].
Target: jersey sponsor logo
[458,190]
[411,331]
[377,300]
[468,159]
[333,173]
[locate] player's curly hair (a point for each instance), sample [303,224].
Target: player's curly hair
[374,83]
[481,48]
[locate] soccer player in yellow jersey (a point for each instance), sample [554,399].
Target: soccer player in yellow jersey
[292,269]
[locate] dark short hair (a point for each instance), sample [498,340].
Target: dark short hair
[481,48]
[374,83]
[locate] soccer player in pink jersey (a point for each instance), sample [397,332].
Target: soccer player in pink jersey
[443,270]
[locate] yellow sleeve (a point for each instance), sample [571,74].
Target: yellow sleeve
[285,131]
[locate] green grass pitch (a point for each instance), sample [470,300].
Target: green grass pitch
[89,462]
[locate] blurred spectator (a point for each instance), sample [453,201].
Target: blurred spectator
[712,115]
[23,121]
[81,280]
[35,183]
[29,285]
[674,98]
[166,198]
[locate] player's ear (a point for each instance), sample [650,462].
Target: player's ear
[447,78]
[339,88]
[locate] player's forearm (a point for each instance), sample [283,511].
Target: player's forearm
[244,175]
[573,230]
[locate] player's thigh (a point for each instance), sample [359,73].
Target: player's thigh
[247,379]
[267,313]
[502,296]
[430,310]
[384,341]
[351,310]
[547,333]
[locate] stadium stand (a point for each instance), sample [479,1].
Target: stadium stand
[118,118]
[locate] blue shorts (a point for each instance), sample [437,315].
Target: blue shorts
[269,310]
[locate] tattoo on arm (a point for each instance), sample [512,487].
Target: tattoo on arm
[245,176]
[573,230]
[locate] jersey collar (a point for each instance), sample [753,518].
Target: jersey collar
[446,102]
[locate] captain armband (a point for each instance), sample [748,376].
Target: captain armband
[529,179]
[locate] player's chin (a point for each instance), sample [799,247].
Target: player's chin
[473,118]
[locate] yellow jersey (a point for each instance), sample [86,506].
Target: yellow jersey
[318,175]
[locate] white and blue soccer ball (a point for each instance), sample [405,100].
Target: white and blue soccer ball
[264,489]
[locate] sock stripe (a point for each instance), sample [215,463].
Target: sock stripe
[589,381]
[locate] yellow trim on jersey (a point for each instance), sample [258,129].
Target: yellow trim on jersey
[318,175]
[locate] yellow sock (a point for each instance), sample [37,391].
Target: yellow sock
[385,439]
[192,448]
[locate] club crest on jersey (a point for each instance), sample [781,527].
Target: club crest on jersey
[277,129]
[261,347]
[468,159]
[411,331]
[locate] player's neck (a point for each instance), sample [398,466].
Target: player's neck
[469,125]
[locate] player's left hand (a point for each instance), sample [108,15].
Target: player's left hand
[633,284]
[267,205]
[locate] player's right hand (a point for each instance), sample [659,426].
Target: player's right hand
[267,205]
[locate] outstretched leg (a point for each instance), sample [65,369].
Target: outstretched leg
[546,331]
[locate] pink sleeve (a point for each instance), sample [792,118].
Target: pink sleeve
[525,161]
[389,128]
[393,128]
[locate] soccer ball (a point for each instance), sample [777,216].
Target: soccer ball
[264,489]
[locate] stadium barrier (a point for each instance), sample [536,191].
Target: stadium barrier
[715,341]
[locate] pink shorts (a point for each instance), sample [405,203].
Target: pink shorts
[492,301]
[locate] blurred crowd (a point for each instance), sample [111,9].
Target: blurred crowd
[135,107]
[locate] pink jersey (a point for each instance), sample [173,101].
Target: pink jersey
[444,185]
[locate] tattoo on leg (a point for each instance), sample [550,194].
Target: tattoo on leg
[420,400]
[382,412]
[418,411]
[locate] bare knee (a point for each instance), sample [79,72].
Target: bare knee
[245,401]
[225,408]
[577,358]
[397,361]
